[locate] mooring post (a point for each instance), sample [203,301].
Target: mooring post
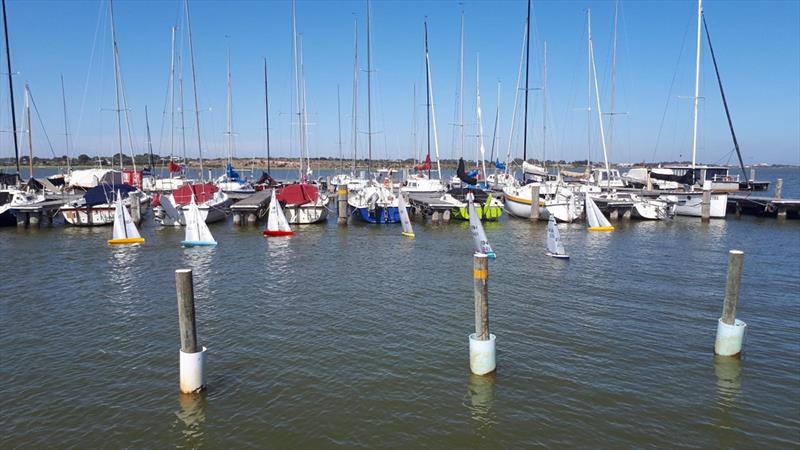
[778,188]
[237,218]
[252,218]
[613,214]
[481,343]
[136,207]
[192,356]
[342,205]
[446,216]
[752,174]
[34,218]
[705,206]
[22,219]
[534,214]
[730,331]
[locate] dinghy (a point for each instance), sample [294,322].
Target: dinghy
[403,210]
[197,232]
[597,221]
[125,232]
[554,246]
[478,235]
[276,221]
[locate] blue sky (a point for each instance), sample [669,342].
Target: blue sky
[757,46]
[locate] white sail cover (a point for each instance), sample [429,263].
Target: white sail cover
[404,219]
[554,245]
[594,216]
[276,221]
[196,229]
[124,227]
[475,226]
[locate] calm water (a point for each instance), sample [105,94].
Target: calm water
[357,337]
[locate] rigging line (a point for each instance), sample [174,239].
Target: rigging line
[100,18]
[669,93]
[41,123]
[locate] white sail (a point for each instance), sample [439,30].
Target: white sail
[554,245]
[404,219]
[276,221]
[595,218]
[475,226]
[120,230]
[197,232]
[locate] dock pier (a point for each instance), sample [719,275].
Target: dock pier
[250,209]
[38,213]
[431,204]
[780,208]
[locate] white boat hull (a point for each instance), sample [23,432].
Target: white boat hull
[305,214]
[691,204]
[98,215]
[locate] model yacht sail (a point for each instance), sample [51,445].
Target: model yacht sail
[125,232]
[197,232]
[476,228]
[554,246]
[595,218]
[276,221]
[408,231]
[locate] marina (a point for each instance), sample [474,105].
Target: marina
[313,248]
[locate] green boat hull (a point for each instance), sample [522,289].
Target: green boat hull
[484,212]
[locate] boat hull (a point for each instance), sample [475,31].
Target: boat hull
[488,213]
[89,216]
[126,241]
[305,214]
[198,243]
[277,233]
[557,256]
[378,215]
[691,204]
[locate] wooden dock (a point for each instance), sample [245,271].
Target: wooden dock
[43,211]
[746,203]
[431,204]
[250,209]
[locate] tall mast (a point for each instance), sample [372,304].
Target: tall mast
[149,139]
[369,84]
[194,89]
[30,130]
[266,111]
[612,110]
[724,101]
[66,124]
[544,108]
[516,100]
[432,106]
[182,104]
[229,132]
[479,114]
[589,92]
[599,110]
[696,92]
[355,100]
[11,88]
[414,122]
[428,97]
[527,74]
[116,78]
[297,85]
[172,98]
[495,142]
[339,112]
[461,87]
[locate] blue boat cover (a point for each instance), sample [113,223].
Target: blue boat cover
[104,193]
[232,174]
[499,165]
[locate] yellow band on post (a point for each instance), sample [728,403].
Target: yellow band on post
[480,274]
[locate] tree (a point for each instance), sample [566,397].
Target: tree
[84,159]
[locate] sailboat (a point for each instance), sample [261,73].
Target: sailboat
[197,232]
[125,232]
[554,246]
[231,182]
[408,231]
[595,218]
[478,235]
[276,221]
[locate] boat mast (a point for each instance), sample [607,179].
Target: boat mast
[266,110]
[297,86]
[460,86]
[229,133]
[696,93]
[149,139]
[527,75]
[516,100]
[431,105]
[481,147]
[597,99]
[66,123]
[428,99]
[414,122]
[194,89]
[11,88]
[116,78]
[172,99]
[612,111]
[355,100]
[724,101]
[339,112]
[369,85]
[496,124]
[30,131]
[182,104]
[544,112]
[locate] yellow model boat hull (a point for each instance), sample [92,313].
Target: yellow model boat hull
[126,241]
[601,228]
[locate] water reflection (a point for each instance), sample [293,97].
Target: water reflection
[200,260]
[192,414]
[729,379]
[481,395]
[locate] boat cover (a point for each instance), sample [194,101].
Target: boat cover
[203,192]
[298,194]
[426,165]
[104,193]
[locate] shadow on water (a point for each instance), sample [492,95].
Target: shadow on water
[191,417]
[729,380]
[480,400]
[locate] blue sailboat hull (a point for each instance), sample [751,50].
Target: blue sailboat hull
[197,243]
[378,215]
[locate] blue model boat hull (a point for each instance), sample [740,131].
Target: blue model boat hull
[378,215]
[197,243]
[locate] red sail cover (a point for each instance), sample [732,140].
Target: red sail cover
[173,168]
[202,193]
[426,165]
[298,194]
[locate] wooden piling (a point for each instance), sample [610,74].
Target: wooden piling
[237,219]
[534,214]
[613,214]
[34,218]
[735,262]
[252,218]
[186,320]
[342,206]
[778,187]
[480,276]
[705,207]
